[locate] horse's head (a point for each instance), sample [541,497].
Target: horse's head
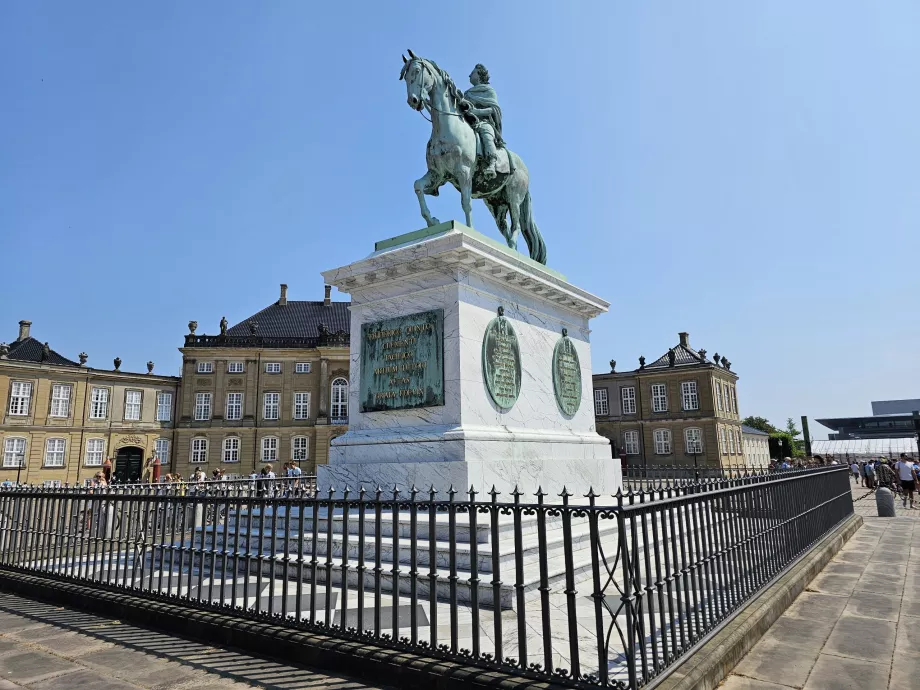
[419,78]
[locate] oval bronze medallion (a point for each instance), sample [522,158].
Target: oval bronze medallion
[566,375]
[501,361]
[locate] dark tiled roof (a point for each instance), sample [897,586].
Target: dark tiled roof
[745,429]
[683,356]
[297,320]
[30,350]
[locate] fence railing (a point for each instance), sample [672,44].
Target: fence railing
[605,592]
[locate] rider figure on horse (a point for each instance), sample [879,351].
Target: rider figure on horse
[481,110]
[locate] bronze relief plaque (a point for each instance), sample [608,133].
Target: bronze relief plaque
[566,375]
[501,361]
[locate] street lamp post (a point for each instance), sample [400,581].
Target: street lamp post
[19,466]
[696,466]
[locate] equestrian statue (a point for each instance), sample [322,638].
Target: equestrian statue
[466,149]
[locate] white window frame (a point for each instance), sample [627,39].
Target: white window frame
[339,398]
[659,397]
[693,445]
[234,367]
[738,441]
[202,406]
[601,406]
[723,442]
[300,454]
[631,442]
[719,395]
[271,406]
[269,449]
[734,399]
[662,440]
[164,406]
[205,368]
[61,395]
[133,407]
[55,456]
[628,399]
[302,407]
[231,449]
[198,451]
[14,451]
[95,452]
[157,445]
[731,442]
[303,368]
[99,403]
[20,398]
[234,411]
[689,395]
[273,367]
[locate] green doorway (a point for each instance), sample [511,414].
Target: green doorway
[128,464]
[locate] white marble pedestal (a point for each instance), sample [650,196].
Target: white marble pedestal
[470,440]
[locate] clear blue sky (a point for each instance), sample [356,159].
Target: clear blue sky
[746,171]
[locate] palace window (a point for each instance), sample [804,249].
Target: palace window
[731,442]
[234,406]
[205,367]
[302,368]
[202,407]
[161,450]
[340,399]
[662,441]
[300,448]
[694,440]
[164,406]
[273,367]
[628,399]
[199,451]
[271,407]
[659,397]
[60,400]
[689,395]
[631,442]
[54,452]
[234,367]
[14,452]
[20,398]
[601,408]
[731,392]
[99,403]
[269,449]
[301,405]
[723,445]
[231,449]
[95,449]
[132,406]
[718,395]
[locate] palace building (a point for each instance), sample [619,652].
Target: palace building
[62,419]
[267,390]
[679,410]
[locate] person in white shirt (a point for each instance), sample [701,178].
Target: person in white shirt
[854,468]
[905,469]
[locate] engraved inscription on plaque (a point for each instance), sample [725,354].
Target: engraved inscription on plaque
[566,375]
[402,362]
[501,361]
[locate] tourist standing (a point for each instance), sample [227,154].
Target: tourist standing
[906,473]
[869,469]
[854,468]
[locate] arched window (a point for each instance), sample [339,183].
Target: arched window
[199,451]
[339,405]
[269,449]
[231,449]
[694,441]
[662,441]
[54,452]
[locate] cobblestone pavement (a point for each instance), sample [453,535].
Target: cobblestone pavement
[857,625]
[46,647]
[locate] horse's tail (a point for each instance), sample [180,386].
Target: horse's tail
[531,232]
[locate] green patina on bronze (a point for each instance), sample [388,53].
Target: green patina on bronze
[402,362]
[501,361]
[566,375]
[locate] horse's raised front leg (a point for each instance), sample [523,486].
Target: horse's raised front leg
[466,195]
[428,183]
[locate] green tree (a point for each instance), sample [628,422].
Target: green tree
[759,423]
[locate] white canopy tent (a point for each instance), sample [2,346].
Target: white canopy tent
[865,448]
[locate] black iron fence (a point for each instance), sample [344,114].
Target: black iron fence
[605,591]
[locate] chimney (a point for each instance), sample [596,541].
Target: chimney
[24,328]
[684,339]
[327,300]
[283,300]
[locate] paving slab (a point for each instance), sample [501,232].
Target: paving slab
[32,666]
[84,680]
[778,662]
[833,673]
[742,683]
